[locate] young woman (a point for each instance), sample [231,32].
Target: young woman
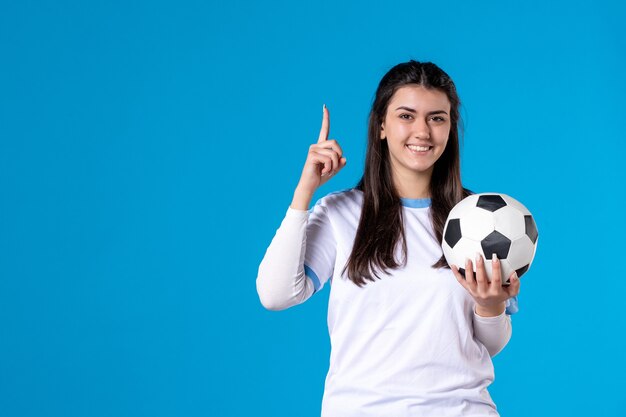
[409,335]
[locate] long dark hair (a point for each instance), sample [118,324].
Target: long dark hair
[381,226]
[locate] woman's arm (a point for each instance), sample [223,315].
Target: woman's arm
[281,282]
[493,332]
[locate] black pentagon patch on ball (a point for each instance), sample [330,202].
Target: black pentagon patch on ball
[496,243]
[490,202]
[462,272]
[521,271]
[453,232]
[531,228]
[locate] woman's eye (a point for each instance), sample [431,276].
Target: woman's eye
[404,114]
[438,119]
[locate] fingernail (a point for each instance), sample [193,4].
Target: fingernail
[478,257]
[323,106]
[494,258]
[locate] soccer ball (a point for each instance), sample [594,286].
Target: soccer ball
[490,223]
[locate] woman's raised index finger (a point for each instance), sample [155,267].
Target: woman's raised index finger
[325,125]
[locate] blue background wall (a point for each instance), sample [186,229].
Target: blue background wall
[149,150]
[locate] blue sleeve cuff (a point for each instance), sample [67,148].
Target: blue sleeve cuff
[511,306]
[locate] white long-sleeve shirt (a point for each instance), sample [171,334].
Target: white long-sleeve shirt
[406,345]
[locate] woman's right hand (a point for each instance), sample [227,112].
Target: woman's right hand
[324,160]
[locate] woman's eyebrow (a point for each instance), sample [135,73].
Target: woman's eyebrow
[428,114]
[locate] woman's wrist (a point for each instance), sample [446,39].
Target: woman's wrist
[301,199]
[491,311]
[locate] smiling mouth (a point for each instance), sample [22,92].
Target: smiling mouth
[415,148]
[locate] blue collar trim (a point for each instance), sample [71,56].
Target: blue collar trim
[415,202]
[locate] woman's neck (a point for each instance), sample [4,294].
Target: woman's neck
[412,186]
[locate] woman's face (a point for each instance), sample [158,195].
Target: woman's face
[417,126]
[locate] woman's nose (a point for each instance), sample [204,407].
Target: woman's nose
[421,130]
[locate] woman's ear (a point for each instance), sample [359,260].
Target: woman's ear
[382,131]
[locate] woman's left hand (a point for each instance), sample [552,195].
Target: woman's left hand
[490,297]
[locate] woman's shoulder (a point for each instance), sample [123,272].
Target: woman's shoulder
[350,198]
